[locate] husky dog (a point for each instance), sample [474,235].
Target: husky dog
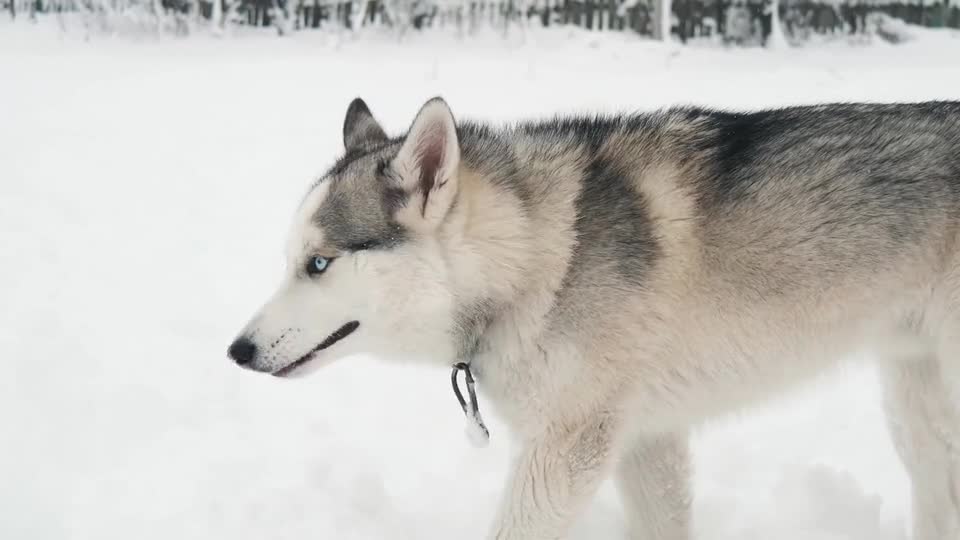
[613,281]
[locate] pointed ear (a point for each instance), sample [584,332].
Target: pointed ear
[359,126]
[427,164]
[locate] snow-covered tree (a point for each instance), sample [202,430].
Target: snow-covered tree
[282,13]
[216,17]
[776,38]
[663,14]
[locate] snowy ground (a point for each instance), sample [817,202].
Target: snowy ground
[144,191]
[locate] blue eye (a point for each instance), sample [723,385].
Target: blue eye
[317,264]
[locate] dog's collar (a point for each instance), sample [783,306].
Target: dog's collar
[477,431]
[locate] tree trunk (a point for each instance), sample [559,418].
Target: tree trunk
[195,17]
[663,15]
[158,14]
[777,39]
[358,16]
[279,16]
[13,9]
[657,19]
[216,17]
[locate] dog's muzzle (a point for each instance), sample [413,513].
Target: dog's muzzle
[343,332]
[244,351]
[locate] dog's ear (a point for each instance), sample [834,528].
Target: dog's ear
[359,126]
[427,164]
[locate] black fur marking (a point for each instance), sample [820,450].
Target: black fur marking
[359,126]
[356,154]
[745,149]
[873,174]
[612,226]
[735,143]
[394,198]
[590,131]
[484,149]
[382,165]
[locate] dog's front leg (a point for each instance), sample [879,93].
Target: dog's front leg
[553,479]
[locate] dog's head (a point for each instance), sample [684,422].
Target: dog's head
[365,273]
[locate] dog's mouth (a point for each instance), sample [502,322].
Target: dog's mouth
[343,332]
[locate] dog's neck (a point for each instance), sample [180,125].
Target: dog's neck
[507,259]
[488,239]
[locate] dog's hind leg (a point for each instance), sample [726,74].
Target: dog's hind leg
[925,426]
[653,477]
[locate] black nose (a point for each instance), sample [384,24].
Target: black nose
[242,350]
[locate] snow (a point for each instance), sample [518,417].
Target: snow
[146,188]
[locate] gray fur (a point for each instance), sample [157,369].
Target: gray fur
[486,148]
[360,128]
[358,212]
[470,323]
[612,226]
